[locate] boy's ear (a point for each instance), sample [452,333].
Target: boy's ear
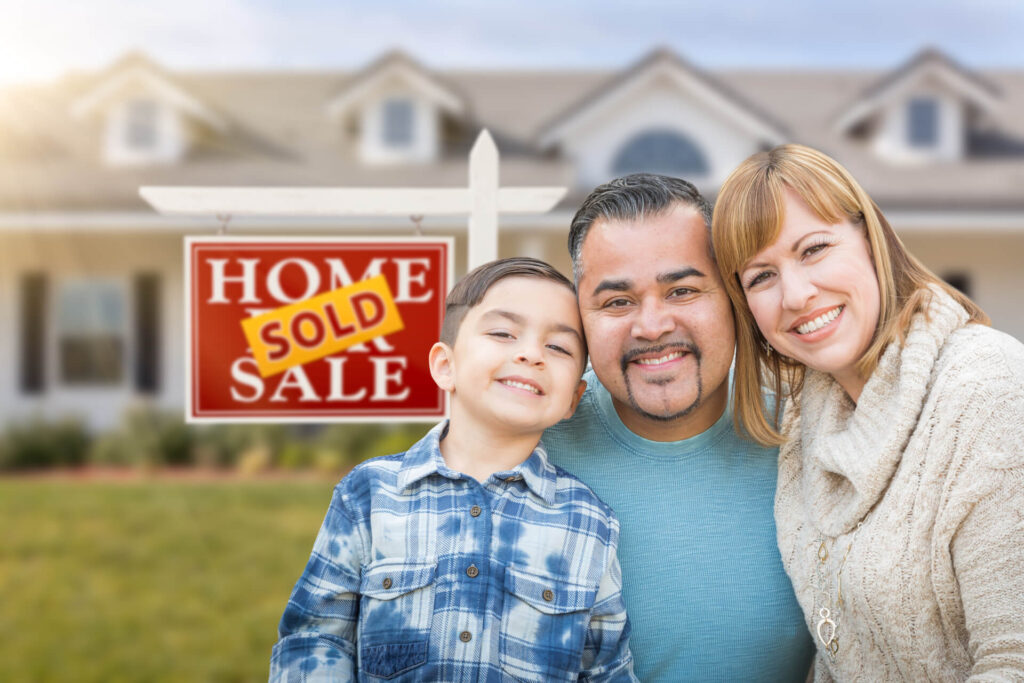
[442,366]
[577,395]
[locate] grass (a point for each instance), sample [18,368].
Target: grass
[149,580]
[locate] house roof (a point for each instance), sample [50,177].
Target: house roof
[398,65]
[728,101]
[967,84]
[137,70]
[280,134]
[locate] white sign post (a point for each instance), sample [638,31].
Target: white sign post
[481,201]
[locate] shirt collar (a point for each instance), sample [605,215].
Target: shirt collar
[424,459]
[537,473]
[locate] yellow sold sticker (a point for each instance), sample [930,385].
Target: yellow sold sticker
[304,331]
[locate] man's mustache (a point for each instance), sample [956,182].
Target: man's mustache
[631,355]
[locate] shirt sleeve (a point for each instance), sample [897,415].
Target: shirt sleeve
[988,547]
[606,654]
[317,633]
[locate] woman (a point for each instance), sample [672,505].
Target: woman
[900,500]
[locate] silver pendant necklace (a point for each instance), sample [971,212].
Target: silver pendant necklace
[832,609]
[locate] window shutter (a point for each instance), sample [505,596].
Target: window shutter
[32,326]
[147,333]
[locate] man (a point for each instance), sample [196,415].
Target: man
[653,436]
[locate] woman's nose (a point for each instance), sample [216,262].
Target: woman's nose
[797,289]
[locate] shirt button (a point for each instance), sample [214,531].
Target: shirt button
[472,571]
[465,636]
[386,583]
[548,595]
[475,511]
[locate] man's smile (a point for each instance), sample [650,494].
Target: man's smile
[659,357]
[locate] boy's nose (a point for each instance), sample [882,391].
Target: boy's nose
[530,354]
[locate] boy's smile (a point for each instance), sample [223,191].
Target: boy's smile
[516,364]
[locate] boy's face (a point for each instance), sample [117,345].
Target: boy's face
[517,359]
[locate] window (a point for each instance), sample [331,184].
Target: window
[661,151]
[90,332]
[141,125]
[923,122]
[398,123]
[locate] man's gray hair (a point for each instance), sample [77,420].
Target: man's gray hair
[629,198]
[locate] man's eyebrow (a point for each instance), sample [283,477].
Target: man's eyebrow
[672,276]
[612,285]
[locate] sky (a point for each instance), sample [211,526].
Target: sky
[43,39]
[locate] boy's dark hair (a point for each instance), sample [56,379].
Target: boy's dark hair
[471,289]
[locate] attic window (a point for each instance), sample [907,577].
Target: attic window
[661,151]
[398,122]
[141,125]
[923,122]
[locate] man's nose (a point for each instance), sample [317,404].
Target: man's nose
[653,320]
[797,289]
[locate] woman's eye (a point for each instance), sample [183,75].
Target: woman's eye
[758,279]
[815,249]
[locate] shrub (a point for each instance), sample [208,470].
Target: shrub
[39,443]
[146,437]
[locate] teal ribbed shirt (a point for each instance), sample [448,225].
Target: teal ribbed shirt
[702,577]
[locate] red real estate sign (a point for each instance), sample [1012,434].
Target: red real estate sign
[304,329]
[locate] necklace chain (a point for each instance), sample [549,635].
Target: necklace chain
[831,611]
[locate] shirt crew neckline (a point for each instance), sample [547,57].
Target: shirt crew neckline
[656,450]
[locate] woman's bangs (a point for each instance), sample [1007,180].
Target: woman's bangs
[759,218]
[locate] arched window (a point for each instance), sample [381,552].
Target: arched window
[661,151]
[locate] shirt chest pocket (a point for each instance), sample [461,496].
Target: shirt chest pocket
[543,626]
[395,613]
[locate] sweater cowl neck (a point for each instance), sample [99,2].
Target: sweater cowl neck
[851,451]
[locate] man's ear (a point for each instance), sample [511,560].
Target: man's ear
[580,388]
[442,366]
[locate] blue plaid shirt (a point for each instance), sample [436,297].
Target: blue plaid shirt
[420,573]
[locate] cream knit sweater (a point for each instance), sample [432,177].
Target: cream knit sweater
[930,463]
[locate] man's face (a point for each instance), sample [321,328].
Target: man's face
[658,322]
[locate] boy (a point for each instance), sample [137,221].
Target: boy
[469,557]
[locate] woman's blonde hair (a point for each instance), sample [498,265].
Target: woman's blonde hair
[748,217]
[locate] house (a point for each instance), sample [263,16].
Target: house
[91,278]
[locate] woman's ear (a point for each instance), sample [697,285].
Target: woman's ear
[442,366]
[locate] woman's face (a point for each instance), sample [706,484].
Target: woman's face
[814,293]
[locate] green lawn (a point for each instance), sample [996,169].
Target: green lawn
[149,580]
